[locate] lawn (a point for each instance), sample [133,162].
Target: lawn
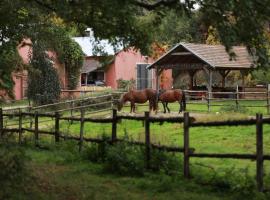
[54,175]
[80,176]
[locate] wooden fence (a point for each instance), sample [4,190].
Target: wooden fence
[203,97]
[187,151]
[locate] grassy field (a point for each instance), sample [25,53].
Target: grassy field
[84,179]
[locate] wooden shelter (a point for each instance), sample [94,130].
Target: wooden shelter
[194,57]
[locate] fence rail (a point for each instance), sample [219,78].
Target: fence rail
[187,151]
[235,96]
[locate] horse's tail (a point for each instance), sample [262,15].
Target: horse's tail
[183,100]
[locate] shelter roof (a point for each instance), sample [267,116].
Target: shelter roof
[185,55]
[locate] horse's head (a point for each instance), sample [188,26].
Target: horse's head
[120,102]
[119,105]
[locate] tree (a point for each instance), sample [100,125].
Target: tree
[23,20]
[43,81]
[236,22]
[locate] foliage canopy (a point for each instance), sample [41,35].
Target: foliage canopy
[131,23]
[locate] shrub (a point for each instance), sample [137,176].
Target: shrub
[124,159]
[166,162]
[126,84]
[12,169]
[96,152]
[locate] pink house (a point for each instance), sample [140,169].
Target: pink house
[127,64]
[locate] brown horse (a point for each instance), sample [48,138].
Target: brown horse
[138,96]
[169,96]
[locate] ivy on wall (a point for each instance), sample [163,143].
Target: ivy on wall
[68,52]
[72,56]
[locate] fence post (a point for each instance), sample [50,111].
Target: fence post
[71,110]
[237,97]
[31,120]
[57,134]
[20,126]
[1,123]
[259,151]
[208,101]
[112,101]
[267,100]
[186,145]
[81,130]
[36,128]
[147,140]
[114,126]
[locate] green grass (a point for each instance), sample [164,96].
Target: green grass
[57,173]
[83,179]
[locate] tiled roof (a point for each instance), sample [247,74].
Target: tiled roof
[214,56]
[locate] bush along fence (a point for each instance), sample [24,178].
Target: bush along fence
[187,151]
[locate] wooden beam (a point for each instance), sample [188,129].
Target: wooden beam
[191,76]
[224,74]
[181,53]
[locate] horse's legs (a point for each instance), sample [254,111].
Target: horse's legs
[181,106]
[132,107]
[167,107]
[164,107]
[150,106]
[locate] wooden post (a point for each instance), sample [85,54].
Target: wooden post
[237,97]
[210,83]
[267,98]
[208,101]
[20,126]
[186,145]
[36,128]
[29,110]
[114,126]
[57,133]
[71,109]
[157,88]
[1,123]
[112,101]
[259,151]
[147,140]
[81,130]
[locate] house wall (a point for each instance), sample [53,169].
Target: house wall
[124,66]
[110,75]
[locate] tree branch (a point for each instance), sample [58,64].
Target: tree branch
[44,5]
[152,6]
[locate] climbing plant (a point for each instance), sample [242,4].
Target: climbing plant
[73,59]
[68,52]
